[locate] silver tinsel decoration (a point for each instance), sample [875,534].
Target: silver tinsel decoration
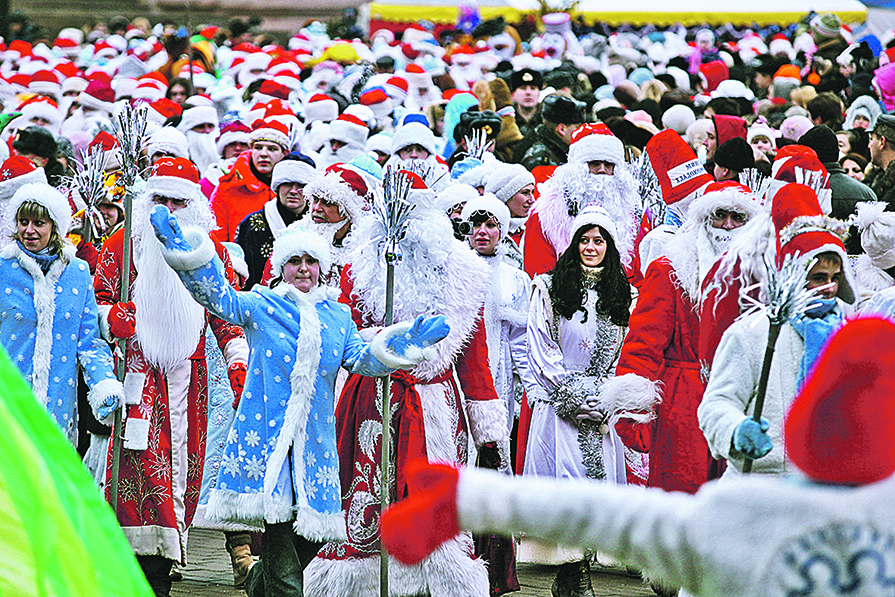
[812,178]
[650,190]
[90,183]
[477,143]
[392,209]
[787,295]
[758,182]
[130,130]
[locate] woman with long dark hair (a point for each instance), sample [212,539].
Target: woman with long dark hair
[576,325]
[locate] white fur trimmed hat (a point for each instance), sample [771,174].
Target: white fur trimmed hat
[198,115]
[43,194]
[728,194]
[488,203]
[507,180]
[167,140]
[320,107]
[99,96]
[16,172]
[877,227]
[272,131]
[342,186]
[174,177]
[591,142]
[298,240]
[413,133]
[349,129]
[454,195]
[300,169]
[594,215]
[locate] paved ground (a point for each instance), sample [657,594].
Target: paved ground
[209,574]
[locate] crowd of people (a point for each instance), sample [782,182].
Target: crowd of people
[597,220]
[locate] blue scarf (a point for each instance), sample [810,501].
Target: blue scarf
[815,331]
[43,257]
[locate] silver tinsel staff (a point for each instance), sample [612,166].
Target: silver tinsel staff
[90,183]
[477,143]
[130,130]
[787,298]
[392,210]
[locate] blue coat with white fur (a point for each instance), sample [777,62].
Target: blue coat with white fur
[280,459]
[48,324]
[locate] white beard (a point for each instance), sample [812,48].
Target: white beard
[169,321]
[203,151]
[345,154]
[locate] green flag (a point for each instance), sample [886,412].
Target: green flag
[58,536]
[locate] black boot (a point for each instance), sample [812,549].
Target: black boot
[663,591]
[573,580]
[157,571]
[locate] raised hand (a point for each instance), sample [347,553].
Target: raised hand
[751,439]
[167,229]
[424,332]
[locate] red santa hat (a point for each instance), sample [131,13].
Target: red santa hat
[99,96]
[77,83]
[712,73]
[18,49]
[232,132]
[803,231]
[296,240]
[676,166]
[103,49]
[417,77]
[272,90]
[729,195]
[321,107]
[839,428]
[174,177]
[15,172]
[795,163]
[163,109]
[592,142]
[41,193]
[272,131]
[42,107]
[152,86]
[110,147]
[66,47]
[342,186]
[396,87]
[378,101]
[349,129]
[45,82]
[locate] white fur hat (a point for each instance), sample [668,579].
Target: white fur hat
[44,194]
[349,129]
[678,117]
[293,170]
[167,140]
[877,228]
[17,172]
[508,179]
[298,240]
[455,195]
[320,107]
[592,142]
[489,203]
[196,116]
[594,215]
[342,186]
[724,195]
[413,133]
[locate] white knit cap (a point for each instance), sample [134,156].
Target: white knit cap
[44,194]
[877,228]
[762,129]
[488,203]
[507,180]
[292,171]
[592,142]
[196,116]
[454,195]
[298,240]
[168,140]
[413,133]
[594,215]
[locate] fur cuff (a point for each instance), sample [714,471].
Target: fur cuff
[136,434]
[104,329]
[202,253]
[630,396]
[388,357]
[318,526]
[133,387]
[487,421]
[104,389]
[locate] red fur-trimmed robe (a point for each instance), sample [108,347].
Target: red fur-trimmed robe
[152,521]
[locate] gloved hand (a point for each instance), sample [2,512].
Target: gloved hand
[237,374]
[751,438]
[123,320]
[167,229]
[424,332]
[108,407]
[415,527]
[489,456]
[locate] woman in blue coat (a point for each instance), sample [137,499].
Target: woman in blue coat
[280,466]
[48,314]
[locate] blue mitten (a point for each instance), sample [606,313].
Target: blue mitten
[751,439]
[108,407]
[424,332]
[167,229]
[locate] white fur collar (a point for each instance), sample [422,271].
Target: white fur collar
[691,256]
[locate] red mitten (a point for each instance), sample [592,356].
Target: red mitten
[413,528]
[123,320]
[237,374]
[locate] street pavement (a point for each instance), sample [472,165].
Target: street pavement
[208,574]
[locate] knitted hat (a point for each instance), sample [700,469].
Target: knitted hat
[795,126]
[232,132]
[175,177]
[877,227]
[342,186]
[839,428]
[349,129]
[39,192]
[804,231]
[592,142]
[761,129]
[508,179]
[825,25]
[823,141]
[413,133]
[99,96]
[489,204]
[320,107]
[167,140]
[15,172]
[677,118]
[195,116]
[594,215]
[378,101]
[296,240]
[294,167]
[677,168]
[271,131]
[35,140]
[735,154]
[454,195]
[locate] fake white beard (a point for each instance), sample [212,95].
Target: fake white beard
[345,154]
[203,151]
[169,320]
[74,123]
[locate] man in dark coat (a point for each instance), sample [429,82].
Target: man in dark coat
[549,146]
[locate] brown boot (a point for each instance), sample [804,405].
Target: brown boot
[241,559]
